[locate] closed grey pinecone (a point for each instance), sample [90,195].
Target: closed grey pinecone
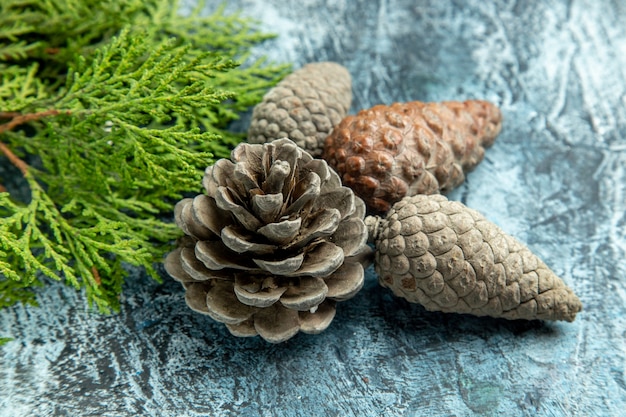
[304,107]
[449,258]
[273,244]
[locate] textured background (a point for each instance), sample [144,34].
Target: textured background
[555,179]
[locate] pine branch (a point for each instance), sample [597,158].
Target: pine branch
[108,147]
[13,292]
[19,88]
[67,226]
[228,35]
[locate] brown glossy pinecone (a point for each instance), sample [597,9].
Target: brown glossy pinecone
[449,258]
[387,152]
[273,244]
[304,107]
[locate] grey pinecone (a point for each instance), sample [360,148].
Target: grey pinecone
[272,245]
[449,258]
[304,107]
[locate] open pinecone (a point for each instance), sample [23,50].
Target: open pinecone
[304,107]
[387,152]
[273,244]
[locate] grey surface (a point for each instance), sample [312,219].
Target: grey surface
[555,179]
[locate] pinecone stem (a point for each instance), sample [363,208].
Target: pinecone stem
[373,225]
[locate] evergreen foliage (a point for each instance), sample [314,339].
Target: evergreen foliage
[110,110]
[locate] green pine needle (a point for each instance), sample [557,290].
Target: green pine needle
[4,340]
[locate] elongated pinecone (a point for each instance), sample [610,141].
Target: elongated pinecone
[304,107]
[388,152]
[272,245]
[449,258]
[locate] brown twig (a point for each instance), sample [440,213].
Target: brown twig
[96,275]
[14,122]
[8,114]
[15,160]
[25,118]
[31,53]
[2,189]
